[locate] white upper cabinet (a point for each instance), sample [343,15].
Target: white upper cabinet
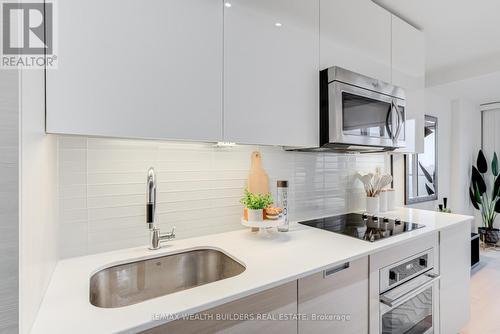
[244,71]
[408,71]
[408,54]
[271,72]
[356,35]
[144,69]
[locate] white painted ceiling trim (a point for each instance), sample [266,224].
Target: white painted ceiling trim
[489,106]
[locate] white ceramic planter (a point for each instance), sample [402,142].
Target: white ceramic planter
[255,215]
[373,205]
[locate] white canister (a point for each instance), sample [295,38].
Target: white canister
[391,199]
[373,205]
[383,200]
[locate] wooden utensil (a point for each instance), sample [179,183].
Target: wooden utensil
[258,181]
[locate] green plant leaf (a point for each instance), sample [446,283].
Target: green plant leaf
[429,190]
[256,201]
[482,165]
[497,207]
[478,180]
[477,195]
[496,188]
[494,164]
[473,199]
[426,173]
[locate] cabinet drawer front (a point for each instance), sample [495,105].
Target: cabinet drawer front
[276,301]
[339,295]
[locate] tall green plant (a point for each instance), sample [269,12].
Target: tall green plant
[488,204]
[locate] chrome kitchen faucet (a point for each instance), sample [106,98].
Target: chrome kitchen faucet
[155,237]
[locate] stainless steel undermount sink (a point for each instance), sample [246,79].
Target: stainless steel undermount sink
[134,282]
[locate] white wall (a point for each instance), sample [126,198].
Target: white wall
[38,172]
[440,107]
[102,188]
[466,134]
[9,201]
[459,124]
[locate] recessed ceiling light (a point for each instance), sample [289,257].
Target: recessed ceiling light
[228,5]
[278,24]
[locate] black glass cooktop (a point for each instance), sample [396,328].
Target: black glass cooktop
[363,226]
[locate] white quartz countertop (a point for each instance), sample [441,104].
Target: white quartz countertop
[271,259]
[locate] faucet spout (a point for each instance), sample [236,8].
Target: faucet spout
[151,199]
[155,237]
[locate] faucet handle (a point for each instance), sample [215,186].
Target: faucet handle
[168,235]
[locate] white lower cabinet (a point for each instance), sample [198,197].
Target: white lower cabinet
[262,309]
[339,292]
[454,250]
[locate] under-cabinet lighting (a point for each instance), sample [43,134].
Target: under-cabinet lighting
[228,5]
[278,24]
[225,144]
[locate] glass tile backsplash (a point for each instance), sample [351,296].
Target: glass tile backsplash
[102,188]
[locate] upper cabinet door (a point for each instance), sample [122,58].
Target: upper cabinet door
[408,55]
[271,72]
[408,71]
[144,69]
[356,35]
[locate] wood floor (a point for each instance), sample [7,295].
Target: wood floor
[485,295]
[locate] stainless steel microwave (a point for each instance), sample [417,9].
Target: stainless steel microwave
[358,113]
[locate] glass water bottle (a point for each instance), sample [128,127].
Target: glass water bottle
[282,202]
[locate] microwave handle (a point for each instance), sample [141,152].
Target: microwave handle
[400,120]
[390,129]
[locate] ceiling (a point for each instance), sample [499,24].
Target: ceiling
[463,37]
[478,90]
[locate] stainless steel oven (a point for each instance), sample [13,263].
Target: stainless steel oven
[409,296]
[358,113]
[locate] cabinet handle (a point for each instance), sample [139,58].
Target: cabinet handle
[336,269]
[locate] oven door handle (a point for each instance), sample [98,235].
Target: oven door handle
[393,302]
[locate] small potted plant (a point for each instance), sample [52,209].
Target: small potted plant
[255,205]
[486,198]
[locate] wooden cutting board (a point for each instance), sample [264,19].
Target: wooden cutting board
[258,181]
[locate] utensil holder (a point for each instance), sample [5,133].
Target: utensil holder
[373,205]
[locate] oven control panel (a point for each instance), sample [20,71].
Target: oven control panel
[400,272]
